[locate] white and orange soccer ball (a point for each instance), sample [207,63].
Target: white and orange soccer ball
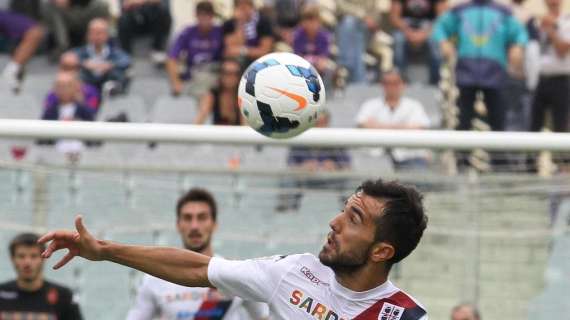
[281,95]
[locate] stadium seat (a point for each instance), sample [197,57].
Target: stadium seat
[181,110]
[22,106]
[132,106]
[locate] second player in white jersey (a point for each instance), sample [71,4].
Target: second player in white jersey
[196,216]
[160,299]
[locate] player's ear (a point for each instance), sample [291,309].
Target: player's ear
[382,252]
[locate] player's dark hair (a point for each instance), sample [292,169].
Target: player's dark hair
[198,195]
[205,7]
[402,221]
[26,240]
[248,2]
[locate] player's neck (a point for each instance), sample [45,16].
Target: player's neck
[207,251]
[33,285]
[363,279]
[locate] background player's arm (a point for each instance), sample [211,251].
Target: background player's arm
[179,266]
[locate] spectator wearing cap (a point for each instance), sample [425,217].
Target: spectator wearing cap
[200,47]
[140,17]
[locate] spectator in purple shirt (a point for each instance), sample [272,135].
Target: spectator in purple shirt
[312,42]
[88,95]
[201,45]
[248,35]
[68,108]
[27,34]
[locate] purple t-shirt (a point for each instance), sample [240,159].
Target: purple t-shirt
[308,48]
[199,48]
[90,93]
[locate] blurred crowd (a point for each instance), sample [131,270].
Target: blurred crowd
[512,66]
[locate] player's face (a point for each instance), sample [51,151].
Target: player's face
[27,262]
[393,85]
[196,225]
[352,236]
[463,313]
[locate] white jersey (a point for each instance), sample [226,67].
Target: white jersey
[159,299]
[300,287]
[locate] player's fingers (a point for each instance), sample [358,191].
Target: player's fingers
[46,237]
[53,247]
[79,226]
[64,260]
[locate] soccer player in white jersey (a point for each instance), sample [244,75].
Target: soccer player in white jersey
[381,224]
[196,216]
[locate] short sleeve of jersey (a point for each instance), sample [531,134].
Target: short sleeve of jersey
[255,280]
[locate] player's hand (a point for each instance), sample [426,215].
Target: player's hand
[78,243]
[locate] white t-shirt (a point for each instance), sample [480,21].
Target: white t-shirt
[408,112]
[299,287]
[550,62]
[159,299]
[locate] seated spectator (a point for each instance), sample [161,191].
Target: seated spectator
[103,64]
[359,20]
[201,46]
[145,17]
[68,108]
[67,21]
[413,22]
[287,17]
[312,42]
[465,311]
[485,47]
[19,29]
[221,103]
[30,296]
[248,35]
[396,112]
[313,159]
[88,95]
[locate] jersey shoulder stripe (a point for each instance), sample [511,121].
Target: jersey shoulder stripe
[398,306]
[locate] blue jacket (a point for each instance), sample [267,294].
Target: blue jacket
[119,58]
[484,31]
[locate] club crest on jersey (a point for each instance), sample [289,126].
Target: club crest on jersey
[390,312]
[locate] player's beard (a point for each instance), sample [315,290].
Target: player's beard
[200,247]
[345,262]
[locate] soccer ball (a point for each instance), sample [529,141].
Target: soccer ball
[281,95]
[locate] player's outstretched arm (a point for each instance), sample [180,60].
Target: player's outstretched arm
[180,266]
